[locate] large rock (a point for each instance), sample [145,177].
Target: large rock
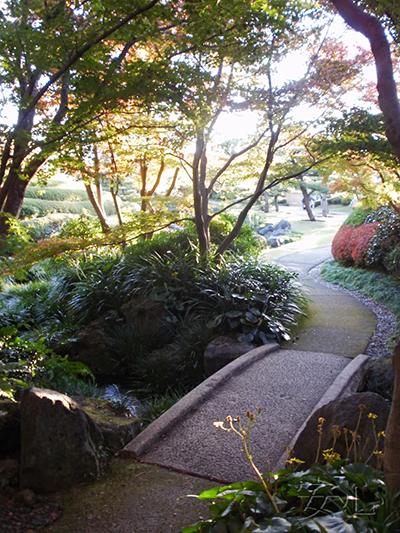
[344,413]
[221,351]
[269,228]
[92,346]
[8,471]
[283,225]
[10,433]
[61,445]
[146,313]
[275,240]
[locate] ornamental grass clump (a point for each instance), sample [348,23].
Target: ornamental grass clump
[336,497]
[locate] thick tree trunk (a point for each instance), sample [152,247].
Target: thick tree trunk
[390,107]
[372,29]
[306,198]
[392,435]
[13,202]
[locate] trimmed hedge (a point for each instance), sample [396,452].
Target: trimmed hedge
[350,244]
[370,239]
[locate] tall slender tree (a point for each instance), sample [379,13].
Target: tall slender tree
[63,64]
[371,22]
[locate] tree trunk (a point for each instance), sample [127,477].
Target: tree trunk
[388,99]
[392,434]
[306,197]
[97,179]
[143,190]
[173,183]
[99,212]
[12,193]
[116,205]
[390,107]
[200,196]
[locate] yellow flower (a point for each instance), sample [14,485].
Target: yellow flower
[294,460]
[371,415]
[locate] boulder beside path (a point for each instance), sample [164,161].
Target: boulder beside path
[61,445]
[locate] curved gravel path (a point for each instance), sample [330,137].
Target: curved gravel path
[386,326]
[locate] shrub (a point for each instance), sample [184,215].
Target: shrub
[350,244]
[258,302]
[339,200]
[246,243]
[342,245]
[338,498]
[43,227]
[361,238]
[385,241]
[358,216]
[24,364]
[392,262]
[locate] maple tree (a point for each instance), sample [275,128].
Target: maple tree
[326,77]
[361,160]
[64,64]
[371,22]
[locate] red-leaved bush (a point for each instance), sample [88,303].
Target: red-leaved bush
[350,243]
[341,245]
[360,240]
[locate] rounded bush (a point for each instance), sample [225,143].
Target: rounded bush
[381,249]
[342,245]
[361,238]
[350,244]
[392,262]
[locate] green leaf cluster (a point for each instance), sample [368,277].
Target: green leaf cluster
[25,363]
[349,498]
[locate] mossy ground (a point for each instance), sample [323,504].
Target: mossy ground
[132,497]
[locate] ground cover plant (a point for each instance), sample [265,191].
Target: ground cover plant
[158,356]
[333,497]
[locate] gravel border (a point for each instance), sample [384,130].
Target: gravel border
[386,326]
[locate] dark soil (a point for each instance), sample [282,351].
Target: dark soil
[17,517]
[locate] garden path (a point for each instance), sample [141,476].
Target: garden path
[181,451]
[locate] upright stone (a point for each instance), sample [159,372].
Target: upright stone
[341,418]
[60,443]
